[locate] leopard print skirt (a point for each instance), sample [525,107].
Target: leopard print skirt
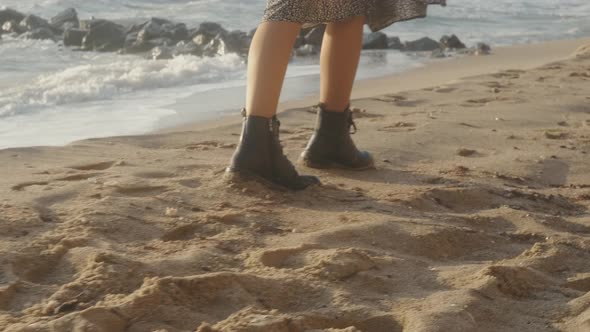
[379,13]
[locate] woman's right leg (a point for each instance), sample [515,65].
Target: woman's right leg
[267,65]
[260,154]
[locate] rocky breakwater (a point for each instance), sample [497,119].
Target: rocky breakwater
[159,38]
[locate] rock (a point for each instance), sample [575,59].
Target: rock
[201,40]
[216,46]
[375,41]
[148,30]
[10,15]
[151,24]
[482,49]
[307,50]
[133,47]
[315,36]
[438,54]
[33,22]
[208,31]
[300,41]
[163,41]
[146,46]
[237,42]
[85,24]
[188,48]
[394,43]
[74,37]
[155,32]
[162,53]
[463,152]
[222,43]
[104,36]
[67,19]
[41,34]
[12,27]
[421,45]
[452,42]
[176,31]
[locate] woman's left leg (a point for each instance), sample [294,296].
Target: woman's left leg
[341,51]
[331,145]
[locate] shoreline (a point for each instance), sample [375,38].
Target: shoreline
[436,72]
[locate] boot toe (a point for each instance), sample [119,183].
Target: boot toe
[364,161]
[303,182]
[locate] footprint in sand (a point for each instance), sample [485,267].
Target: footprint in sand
[399,126]
[556,134]
[21,186]
[180,233]
[473,199]
[78,177]
[582,75]
[136,189]
[190,183]
[398,100]
[154,175]
[68,178]
[496,85]
[464,152]
[444,89]
[579,282]
[207,145]
[516,281]
[509,74]
[551,67]
[359,113]
[257,320]
[480,102]
[336,264]
[99,166]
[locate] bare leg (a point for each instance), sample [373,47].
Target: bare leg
[341,50]
[267,65]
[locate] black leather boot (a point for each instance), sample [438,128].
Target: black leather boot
[331,145]
[259,156]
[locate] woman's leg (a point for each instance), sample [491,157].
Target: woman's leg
[267,64]
[341,50]
[259,154]
[331,145]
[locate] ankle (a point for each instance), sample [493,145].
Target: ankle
[254,112]
[334,107]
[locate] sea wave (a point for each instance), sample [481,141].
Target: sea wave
[104,81]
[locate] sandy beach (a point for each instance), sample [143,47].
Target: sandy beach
[476,218]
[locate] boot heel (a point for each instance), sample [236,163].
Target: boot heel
[324,164]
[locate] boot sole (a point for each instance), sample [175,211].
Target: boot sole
[334,165]
[242,176]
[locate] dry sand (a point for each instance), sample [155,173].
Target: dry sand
[475,220]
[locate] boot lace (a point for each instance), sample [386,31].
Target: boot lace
[351,123]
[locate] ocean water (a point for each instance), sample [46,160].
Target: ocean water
[50,95]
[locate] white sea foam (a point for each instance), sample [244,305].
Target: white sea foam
[111,78]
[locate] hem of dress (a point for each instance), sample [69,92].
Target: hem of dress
[309,25]
[397,20]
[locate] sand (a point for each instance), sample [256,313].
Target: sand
[476,219]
